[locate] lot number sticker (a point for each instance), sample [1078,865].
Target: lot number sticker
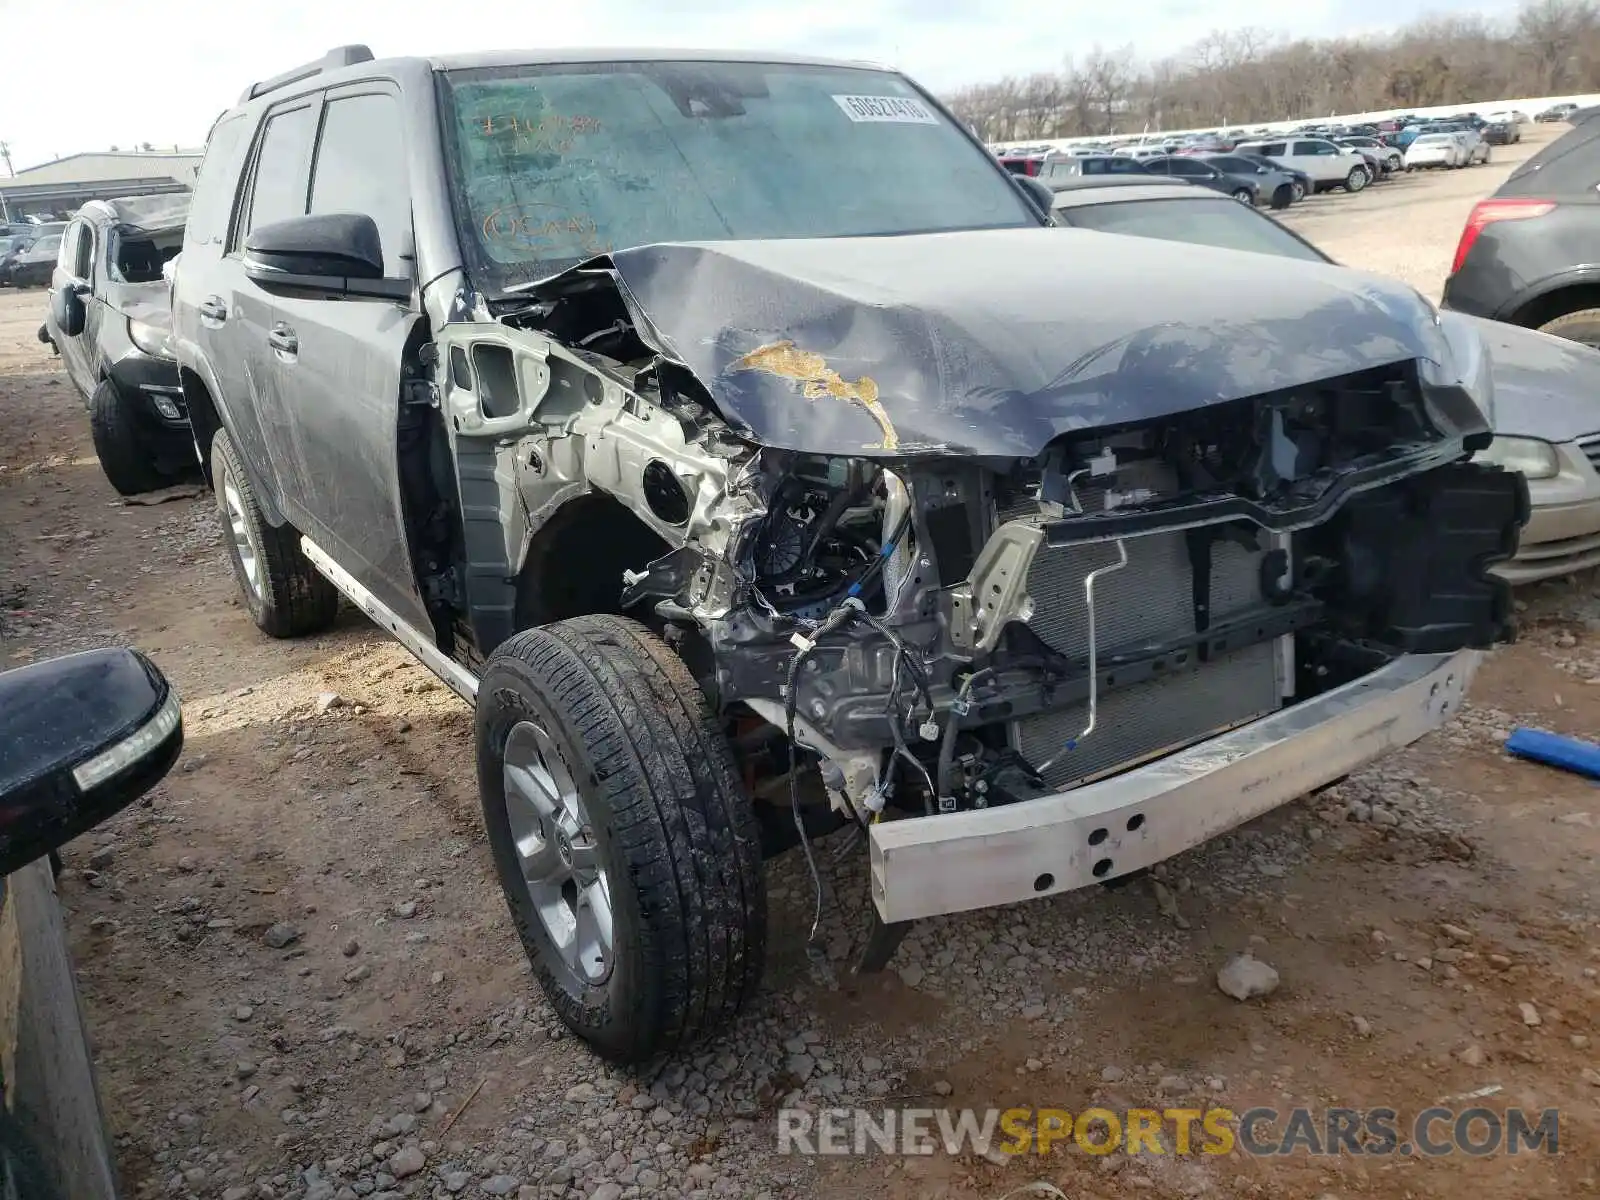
[900,109]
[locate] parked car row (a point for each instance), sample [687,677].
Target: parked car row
[26,253]
[1387,137]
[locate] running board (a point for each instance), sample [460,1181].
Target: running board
[451,673]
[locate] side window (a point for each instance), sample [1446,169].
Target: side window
[67,252]
[279,183]
[83,252]
[1273,149]
[1126,166]
[216,183]
[361,168]
[1182,166]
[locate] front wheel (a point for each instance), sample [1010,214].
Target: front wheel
[287,596]
[123,458]
[1356,180]
[628,853]
[1299,191]
[1282,196]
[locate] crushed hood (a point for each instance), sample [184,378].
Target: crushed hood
[994,343]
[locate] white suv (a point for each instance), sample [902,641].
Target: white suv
[1328,165]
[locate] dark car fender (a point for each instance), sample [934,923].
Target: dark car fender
[1536,294]
[208,412]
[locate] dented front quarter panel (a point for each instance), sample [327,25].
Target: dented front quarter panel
[994,343]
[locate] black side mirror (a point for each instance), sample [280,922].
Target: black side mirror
[1038,192]
[337,253]
[67,308]
[81,738]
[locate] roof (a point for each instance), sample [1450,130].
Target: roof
[345,62]
[150,214]
[524,58]
[1104,189]
[92,167]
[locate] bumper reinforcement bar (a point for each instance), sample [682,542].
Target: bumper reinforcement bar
[924,866]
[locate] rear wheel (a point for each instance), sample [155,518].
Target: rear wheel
[628,853]
[1356,180]
[116,444]
[287,596]
[1243,195]
[1581,326]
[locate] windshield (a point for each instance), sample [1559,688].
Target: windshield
[1221,222]
[552,164]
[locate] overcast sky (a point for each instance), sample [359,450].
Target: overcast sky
[107,72]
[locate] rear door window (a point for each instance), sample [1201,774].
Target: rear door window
[217,182]
[1273,149]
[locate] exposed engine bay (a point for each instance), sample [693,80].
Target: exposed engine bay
[941,628]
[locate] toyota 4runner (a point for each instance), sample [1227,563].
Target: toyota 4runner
[731,433]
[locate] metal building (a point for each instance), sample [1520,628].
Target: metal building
[59,188]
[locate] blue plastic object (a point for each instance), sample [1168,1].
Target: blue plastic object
[1570,754]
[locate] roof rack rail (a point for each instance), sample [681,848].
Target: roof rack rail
[333,60]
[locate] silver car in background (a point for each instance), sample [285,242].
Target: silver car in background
[1436,150]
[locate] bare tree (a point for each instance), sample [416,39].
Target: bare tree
[1246,76]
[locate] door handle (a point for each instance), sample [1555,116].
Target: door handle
[212,308]
[284,340]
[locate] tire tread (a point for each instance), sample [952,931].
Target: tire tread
[298,599]
[678,815]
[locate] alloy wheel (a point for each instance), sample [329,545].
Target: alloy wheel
[557,854]
[239,530]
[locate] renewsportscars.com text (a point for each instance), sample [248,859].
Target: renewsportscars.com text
[1258,1132]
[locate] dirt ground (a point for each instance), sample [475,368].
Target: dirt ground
[302,982]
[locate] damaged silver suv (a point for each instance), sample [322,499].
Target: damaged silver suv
[731,433]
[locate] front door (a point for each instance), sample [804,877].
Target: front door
[337,362]
[75,269]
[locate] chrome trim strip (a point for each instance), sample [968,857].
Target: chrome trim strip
[451,673]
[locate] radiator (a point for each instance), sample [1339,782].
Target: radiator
[1148,602]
